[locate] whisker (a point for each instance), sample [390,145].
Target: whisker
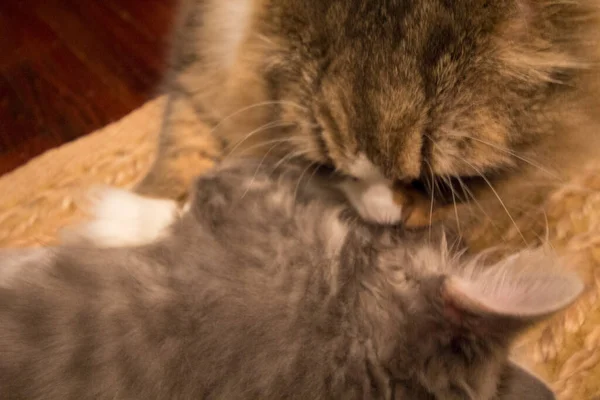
[251,107]
[265,39]
[265,127]
[256,105]
[546,240]
[258,168]
[499,199]
[290,140]
[298,139]
[448,182]
[432,196]
[312,164]
[288,157]
[470,194]
[511,153]
[453,192]
[312,175]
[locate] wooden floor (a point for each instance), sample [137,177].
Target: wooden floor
[68,67]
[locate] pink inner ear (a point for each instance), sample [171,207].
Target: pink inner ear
[527,295]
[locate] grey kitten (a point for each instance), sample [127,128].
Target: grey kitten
[267,287]
[491,100]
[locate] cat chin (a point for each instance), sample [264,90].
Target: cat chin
[120,218]
[373,201]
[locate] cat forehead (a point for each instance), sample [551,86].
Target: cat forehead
[382,22]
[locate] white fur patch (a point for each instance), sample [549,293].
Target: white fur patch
[122,218]
[373,201]
[372,194]
[364,169]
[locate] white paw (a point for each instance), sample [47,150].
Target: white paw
[121,218]
[373,201]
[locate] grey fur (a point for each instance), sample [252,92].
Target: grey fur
[270,288]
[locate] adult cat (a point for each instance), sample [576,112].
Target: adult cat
[484,103]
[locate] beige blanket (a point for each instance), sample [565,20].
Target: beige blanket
[42,196]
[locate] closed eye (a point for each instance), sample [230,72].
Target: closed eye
[446,190]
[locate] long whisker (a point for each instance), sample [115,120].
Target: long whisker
[288,140]
[312,164]
[284,159]
[258,168]
[449,184]
[432,196]
[253,106]
[499,199]
[471,195]
[312,175]
[288,157]
[270,125]
[468,193]
[453,192]
[511,153]
[546,240]
[532,217]
[265,39]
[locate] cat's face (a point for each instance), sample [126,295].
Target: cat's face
[398,89]
[414,90]
[405,91]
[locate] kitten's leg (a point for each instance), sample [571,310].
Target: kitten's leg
[121,218]
[185,150]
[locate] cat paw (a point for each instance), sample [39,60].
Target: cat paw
[121,218]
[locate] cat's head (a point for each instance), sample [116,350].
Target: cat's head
[400,91]
[457,328]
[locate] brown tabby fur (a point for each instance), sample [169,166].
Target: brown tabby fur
[427,89]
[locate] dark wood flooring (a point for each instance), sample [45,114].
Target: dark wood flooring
[68,67]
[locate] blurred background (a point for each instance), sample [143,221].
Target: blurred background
[69,67]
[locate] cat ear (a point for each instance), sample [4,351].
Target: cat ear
[517,383]
[512,294]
